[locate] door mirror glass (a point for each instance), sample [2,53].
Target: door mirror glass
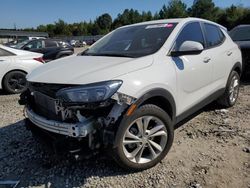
[188,48]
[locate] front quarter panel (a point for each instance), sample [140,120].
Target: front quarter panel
[161,75]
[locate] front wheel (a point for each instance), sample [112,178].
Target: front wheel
[144,138]
[15,82]
[232,91]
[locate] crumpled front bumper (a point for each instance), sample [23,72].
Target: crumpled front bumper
[77,130]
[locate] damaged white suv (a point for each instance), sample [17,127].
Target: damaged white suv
[128,91]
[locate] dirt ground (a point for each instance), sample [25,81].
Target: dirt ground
[211,150]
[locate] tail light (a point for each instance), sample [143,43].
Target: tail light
[40,59]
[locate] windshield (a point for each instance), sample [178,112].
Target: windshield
[132,41]
[21,44]
[240,33]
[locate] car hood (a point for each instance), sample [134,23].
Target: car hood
[87,69]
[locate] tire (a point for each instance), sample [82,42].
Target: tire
[129,123]
[15,82]
[229,98]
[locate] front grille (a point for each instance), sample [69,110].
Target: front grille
[43,99]
[44,106]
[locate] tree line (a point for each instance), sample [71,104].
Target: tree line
[228,17]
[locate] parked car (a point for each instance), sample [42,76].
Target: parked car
[241,35]
[14,42]
[83,43]
[52,49]
[128,91]
[76,43]
[14,65]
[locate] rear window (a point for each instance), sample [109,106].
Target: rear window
[214,35]
[5,53]
[49,44]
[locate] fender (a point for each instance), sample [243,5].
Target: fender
[237,65]
[158,92]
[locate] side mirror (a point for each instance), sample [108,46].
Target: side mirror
[188,48]
[26,48]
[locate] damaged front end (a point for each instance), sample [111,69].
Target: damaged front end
[84,113]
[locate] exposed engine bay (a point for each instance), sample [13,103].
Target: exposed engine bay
[94,122]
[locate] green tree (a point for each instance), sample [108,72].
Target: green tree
[204,9]
[146,16]
[51,30]
[233,16]
[62,28]
[129,16]
[104,22]
[163,14]
[176,9]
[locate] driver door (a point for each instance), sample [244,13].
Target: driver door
[194,72]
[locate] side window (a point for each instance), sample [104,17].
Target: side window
[34,44]
[49,44]
[191,32]
[214,35]
[5,53]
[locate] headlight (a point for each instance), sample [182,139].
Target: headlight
[96,92]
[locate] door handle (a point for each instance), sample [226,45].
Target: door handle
[229,53]
[1,60]
[206,59]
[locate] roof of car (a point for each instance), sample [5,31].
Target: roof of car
[176,20]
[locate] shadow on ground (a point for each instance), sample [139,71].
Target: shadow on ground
[245,80]
[22,158]
[2,92]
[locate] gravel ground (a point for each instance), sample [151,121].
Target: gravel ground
[211,150]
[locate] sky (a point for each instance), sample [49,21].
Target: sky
[31,13]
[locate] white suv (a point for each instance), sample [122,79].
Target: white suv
[127,92]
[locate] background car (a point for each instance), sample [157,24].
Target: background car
[77,43]
[52,49]
[14,65]
[241,35]
[14,42]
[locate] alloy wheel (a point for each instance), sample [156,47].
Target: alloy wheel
[234,89]
[17,82]
[145,139]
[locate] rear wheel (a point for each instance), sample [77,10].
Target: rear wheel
[232,91]
[144,138]
[15,82]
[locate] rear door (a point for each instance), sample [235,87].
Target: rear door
[218,51]
[194,72]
